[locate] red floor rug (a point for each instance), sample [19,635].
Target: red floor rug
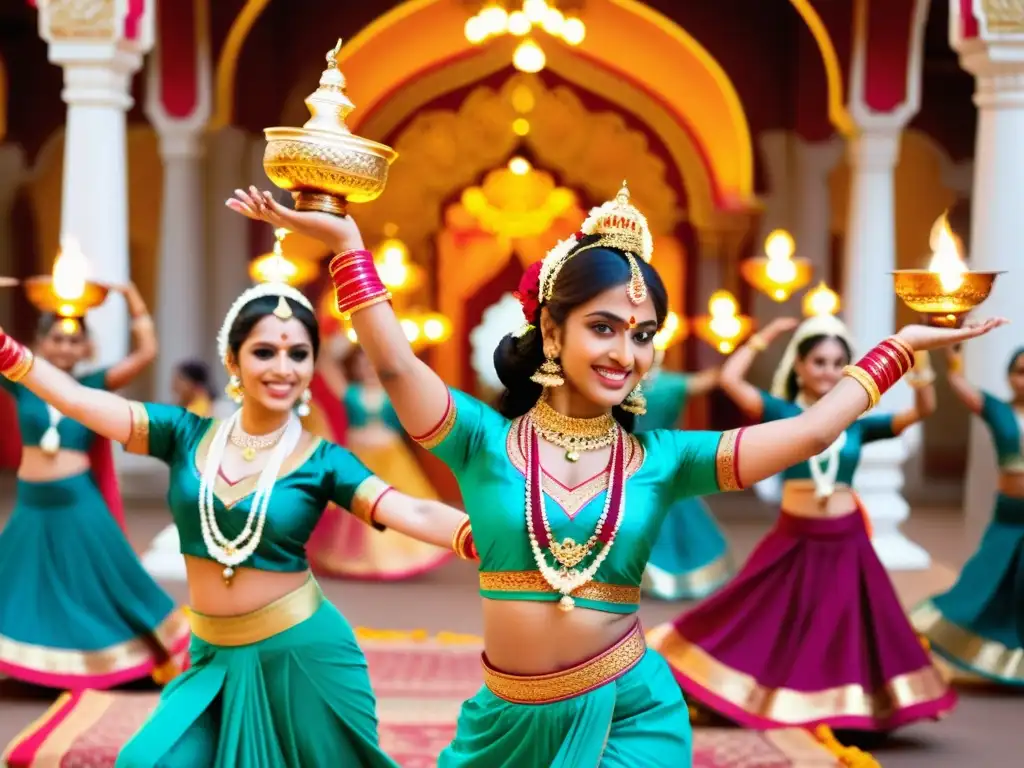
[420,683]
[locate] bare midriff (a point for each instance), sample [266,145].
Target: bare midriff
[799,498]
[250,589]
[525,638]
[37,466]
[1012,484]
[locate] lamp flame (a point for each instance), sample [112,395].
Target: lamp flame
[946,259]
[821,301]
[70,271]
[724,323]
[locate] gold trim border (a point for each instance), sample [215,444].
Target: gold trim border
[533,581]
[254,627]
[966,649]
[138,436]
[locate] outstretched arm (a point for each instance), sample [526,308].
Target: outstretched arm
[102,412]
[969,395]
[733,379]
[418,395]
[766,449]
[123,373]
[422,519]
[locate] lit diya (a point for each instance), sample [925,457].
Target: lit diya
[946,291]
[68,294]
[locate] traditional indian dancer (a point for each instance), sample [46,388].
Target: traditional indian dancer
[276,676]
[568,678]
[810,632]
[77,609]
[690,558]
[978,625]
[340,546]
[191,386]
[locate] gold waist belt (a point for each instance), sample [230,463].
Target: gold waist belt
[533,581]
[572,682]
[272,619]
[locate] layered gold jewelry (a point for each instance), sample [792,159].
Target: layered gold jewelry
[253,444]
[570,434]
[20,369]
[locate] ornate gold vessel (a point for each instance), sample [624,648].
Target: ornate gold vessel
[923,291]
[323,164]
[40,291]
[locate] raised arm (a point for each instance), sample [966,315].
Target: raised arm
[328,365]
[766,449]
[102,412]
[418,395]
[969,395]
[921,380]
[733,377]
[702,382]
[123,373]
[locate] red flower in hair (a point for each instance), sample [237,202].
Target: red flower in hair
[528,293]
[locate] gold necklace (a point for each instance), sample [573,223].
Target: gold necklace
[253,444]
[570,434]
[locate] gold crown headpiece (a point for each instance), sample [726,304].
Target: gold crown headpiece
[619,225]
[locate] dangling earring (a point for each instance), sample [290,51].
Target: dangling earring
[234,389]
[549,374]
[303,408]
[635,402]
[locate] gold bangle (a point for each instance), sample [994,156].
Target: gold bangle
[757,343]
[905,348]
[864,378]
[459,537]
[956,364]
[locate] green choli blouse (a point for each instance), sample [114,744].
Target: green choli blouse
[866,429]
[1005,428]
[309,480]
[359,414]
[34,416]
[666,398]
[486,452]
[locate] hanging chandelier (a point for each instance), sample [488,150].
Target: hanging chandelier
[495,20]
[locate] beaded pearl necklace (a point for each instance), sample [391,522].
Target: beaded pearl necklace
[568,555]
[825,466]
[233,552]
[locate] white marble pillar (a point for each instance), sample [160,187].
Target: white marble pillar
[997,211]
[181,296]
[12,175]
[94,200]
[813,164]
[870,312]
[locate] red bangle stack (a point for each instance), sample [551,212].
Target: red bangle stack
[882,367]
[462,541]
[15,359]
[356,282]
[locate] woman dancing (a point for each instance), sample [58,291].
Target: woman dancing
[811,632]
[77,609]
[546,479]
[690,557]
[276,676]
[342,547]
[978,625]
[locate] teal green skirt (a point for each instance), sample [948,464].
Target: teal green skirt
[978,625]
[297,699]
[690,558]
[639,719]
[77,609]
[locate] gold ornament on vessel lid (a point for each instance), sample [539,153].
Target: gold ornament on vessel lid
[323,164]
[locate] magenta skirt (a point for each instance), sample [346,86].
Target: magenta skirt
[809,633]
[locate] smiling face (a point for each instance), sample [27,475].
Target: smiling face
[821,367]
[275,363]
[64,344]
[605,346]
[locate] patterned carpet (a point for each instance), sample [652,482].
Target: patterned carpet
[420,682]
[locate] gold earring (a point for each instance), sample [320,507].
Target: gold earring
[635,402]
[234,389]
[303,409]
[549,374]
